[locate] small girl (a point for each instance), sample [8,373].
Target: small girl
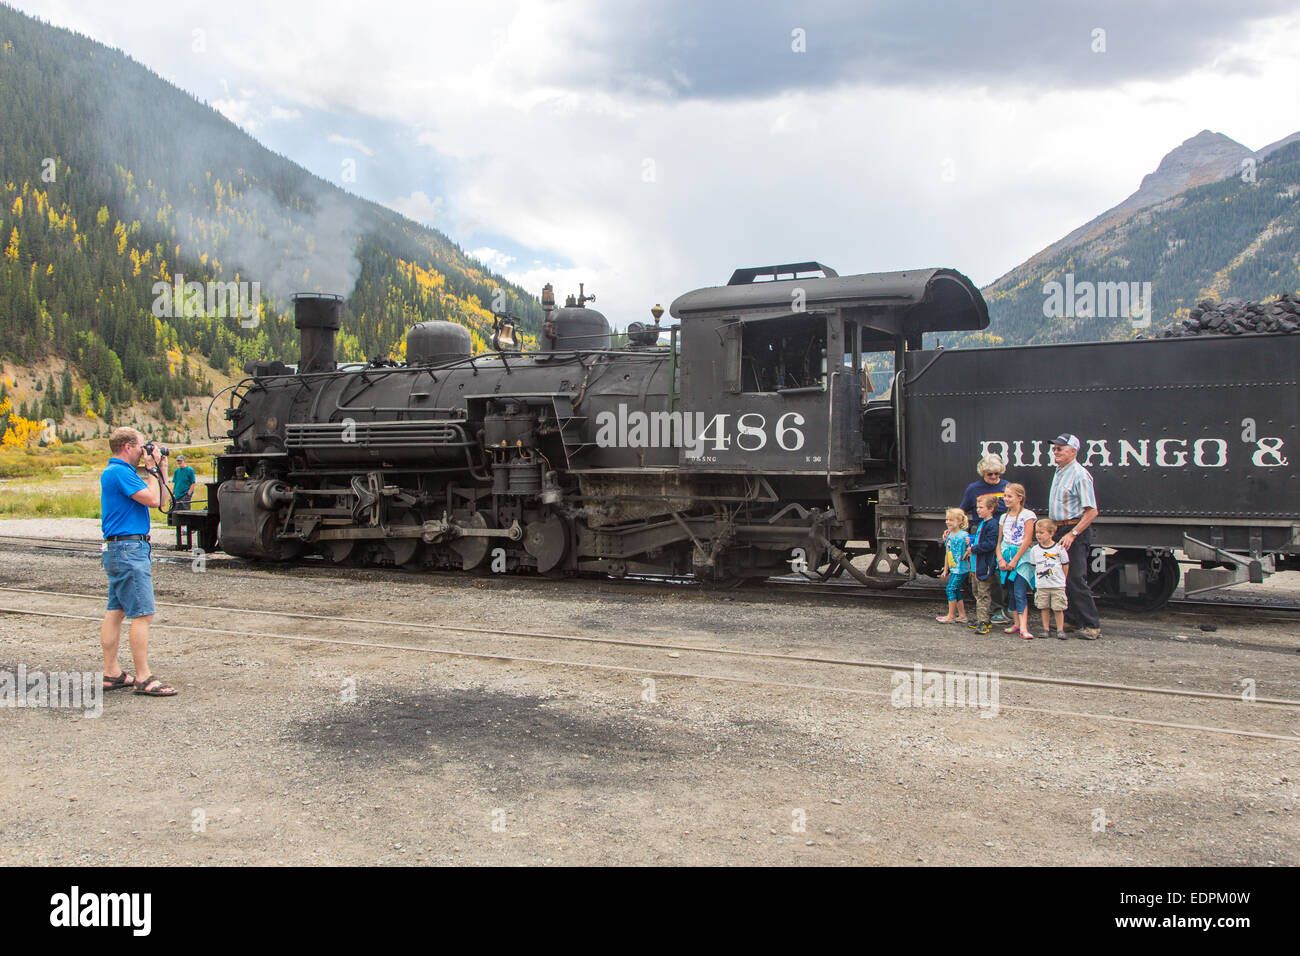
[1015,538]
[956,563]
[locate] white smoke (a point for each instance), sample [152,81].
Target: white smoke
[310,249]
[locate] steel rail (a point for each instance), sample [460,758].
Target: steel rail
[823,588]
[654,672]
[694,648]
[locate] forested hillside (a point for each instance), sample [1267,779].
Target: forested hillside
[1229,238]
[113,180]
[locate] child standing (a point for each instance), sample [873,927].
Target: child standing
[984,545]
[1050,563]
[991,482]
[1015,537]
[956,563]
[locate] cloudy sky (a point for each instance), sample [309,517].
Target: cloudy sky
[649,148]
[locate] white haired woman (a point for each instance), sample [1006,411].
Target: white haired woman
[991,470]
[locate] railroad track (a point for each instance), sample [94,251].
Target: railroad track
[1253,610]
[933,592]
[603,644]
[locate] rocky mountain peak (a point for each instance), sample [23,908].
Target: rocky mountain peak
[1204,158]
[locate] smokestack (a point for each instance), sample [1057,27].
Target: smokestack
[317,317]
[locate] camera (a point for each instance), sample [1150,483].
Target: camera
[150,446]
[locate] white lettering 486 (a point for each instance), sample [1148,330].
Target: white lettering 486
[698,432]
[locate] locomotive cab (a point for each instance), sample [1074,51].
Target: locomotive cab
[779,363]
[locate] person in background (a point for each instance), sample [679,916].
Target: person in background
[984,545]
[1072,504]
[1015,538]
[956,563]
[991,482]
[182,483]
[124,503]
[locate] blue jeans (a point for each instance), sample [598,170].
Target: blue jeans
[130,577]
[1018,594]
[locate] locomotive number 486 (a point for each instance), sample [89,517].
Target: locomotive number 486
[751,432]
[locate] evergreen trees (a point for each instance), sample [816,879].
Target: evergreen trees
[101,201]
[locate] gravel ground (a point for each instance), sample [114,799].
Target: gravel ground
[87,528]
[280,750]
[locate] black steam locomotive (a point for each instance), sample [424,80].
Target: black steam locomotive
[746,441]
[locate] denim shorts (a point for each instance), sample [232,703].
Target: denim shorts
[130,577]
[955,583]
[1018,594]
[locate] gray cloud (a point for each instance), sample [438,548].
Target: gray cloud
[683,49]
[904,136]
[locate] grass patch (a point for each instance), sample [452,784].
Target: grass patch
[55,504]
[63,481]
[73,458]
[17,463]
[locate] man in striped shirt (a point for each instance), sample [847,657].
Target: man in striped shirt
[1072,504]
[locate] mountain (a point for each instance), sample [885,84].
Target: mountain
[1206,157]
[115,183]
[1213,219]
[1272,147]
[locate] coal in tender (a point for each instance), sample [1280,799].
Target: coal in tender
[1236,316]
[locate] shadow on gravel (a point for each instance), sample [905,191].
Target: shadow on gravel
[504,735]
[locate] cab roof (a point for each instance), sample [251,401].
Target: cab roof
[920,300]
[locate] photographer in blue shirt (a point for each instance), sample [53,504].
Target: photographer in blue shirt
[124,502]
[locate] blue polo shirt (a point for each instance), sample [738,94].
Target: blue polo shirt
[976,490]
[118,512]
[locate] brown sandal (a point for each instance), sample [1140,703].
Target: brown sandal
[121,680]
[142,686]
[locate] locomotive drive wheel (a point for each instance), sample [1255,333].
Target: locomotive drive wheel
[547,541]
[404,552]
[339,551]
[472,550]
